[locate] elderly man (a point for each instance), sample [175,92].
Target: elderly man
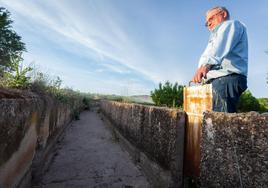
[224,63]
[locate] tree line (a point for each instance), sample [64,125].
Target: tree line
[171,95]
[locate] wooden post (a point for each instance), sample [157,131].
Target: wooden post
[197,99]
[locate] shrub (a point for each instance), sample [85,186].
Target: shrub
[168,95]
[263,104]
[39,82]
[248,102]
[86,102]
[17,75]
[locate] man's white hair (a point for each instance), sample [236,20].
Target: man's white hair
[220,9]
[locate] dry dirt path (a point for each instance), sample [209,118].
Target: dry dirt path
[88,156]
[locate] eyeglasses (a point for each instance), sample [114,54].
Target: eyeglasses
[212,18]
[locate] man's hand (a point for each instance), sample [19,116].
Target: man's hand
[200,73]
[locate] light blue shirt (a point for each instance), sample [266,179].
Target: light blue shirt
[227,50]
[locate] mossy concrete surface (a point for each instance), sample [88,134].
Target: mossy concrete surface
[156,132]
[29,123]
[233,146]
[234,150]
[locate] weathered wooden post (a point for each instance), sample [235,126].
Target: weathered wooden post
[197,99]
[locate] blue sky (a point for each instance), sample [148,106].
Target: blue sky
[128,47]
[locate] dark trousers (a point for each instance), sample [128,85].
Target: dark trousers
[226,92]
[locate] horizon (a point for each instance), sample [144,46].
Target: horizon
[127,48]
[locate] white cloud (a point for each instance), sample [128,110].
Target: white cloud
[98,32]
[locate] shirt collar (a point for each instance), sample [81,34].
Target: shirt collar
[216,28]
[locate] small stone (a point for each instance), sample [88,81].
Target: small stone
[265,114]
[219,150]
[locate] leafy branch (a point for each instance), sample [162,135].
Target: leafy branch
[17,76]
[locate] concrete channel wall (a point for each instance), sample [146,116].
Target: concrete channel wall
[233,146]
[157,135]
[29,126]
[234,150]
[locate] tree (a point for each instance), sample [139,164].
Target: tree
[168,95]
[11,45]
[248,102]
[263,104]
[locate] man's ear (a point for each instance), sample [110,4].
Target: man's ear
[224,15]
